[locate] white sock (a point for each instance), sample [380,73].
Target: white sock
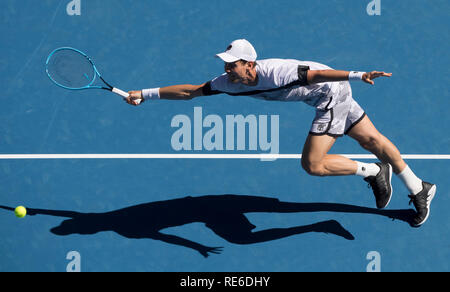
[411,181]
[367,169]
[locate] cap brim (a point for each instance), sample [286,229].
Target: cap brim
[227,57]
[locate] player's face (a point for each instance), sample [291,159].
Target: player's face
[241,72]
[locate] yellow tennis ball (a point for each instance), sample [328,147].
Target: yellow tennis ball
[20,211]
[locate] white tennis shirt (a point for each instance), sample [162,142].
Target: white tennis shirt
[282,80]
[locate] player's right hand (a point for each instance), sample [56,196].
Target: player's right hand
[135,98]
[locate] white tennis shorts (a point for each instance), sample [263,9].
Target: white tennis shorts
[340,119]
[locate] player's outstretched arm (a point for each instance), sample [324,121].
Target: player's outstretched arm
[318,76]
[174,92]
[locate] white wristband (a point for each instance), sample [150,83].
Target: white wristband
[354,75]
[151,93]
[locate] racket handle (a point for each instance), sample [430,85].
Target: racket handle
[120,92]
[124,94]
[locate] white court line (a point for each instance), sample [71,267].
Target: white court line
[200,156]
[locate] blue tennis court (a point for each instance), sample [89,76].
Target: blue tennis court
[194,213]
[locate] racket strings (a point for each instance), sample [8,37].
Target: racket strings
[71,69]
[59,71]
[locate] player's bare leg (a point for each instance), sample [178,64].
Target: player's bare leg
[370,139]
[316,160]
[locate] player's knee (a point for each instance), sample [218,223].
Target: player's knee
[313,168]
[371,142]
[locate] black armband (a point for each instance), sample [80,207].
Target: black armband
[303,75]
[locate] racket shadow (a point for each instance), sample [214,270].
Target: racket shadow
[223,214]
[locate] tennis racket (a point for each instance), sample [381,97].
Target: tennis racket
[72,69]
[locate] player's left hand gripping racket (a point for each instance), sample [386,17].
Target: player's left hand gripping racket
[72,69]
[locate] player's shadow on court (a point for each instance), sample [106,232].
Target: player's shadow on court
[223,214]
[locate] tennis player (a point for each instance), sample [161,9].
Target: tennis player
[337,114]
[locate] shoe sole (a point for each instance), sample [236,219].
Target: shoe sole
[431,193]
[390,186]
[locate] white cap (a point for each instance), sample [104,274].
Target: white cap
[239,50]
